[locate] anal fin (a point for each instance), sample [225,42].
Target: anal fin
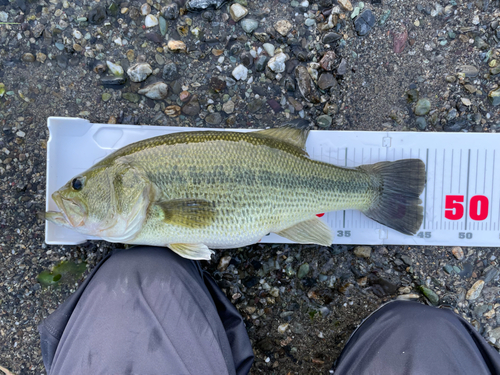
[312,231]
[194,251]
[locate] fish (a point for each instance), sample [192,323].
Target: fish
[198,191]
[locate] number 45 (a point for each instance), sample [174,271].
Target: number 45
[454,208]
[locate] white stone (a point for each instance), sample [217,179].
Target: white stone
[240,73]
[228,107]
[158,91]
[145,9]
[151,21]
[283,27]
[176,46]
[77,34]
[304,4]
[475,291]
[237,12]
[269,48]
[282,328]
[139,72]
[116,69]
[277,63]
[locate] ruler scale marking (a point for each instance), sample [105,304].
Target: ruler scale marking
[460,172]
[434,190]
[442,182]
[467,190]
[485,162]
[477,170]
[492,186]
[343,212]
[426,179]
[451,181]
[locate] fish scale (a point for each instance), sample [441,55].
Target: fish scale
[256,196]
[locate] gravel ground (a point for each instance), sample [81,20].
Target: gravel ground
[379,65]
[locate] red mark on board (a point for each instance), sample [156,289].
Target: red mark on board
[478,207]
[454,207]
[320,215]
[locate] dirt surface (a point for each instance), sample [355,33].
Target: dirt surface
[53,63]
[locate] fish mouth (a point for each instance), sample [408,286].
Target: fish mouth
[57,218]
[71,214]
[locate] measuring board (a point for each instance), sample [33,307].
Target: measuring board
[461,199]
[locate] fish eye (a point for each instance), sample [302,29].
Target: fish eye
[77,184]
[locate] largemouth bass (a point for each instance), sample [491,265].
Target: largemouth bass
[203,190]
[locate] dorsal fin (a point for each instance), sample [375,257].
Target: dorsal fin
[291,135]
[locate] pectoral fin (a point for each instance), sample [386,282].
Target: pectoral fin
[310,231]
[190,213]
[194,251]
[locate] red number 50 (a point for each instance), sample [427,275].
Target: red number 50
[454,209]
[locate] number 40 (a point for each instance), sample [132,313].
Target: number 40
[454,208]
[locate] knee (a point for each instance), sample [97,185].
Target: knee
[147,260]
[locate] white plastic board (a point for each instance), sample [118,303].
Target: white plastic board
[461,199]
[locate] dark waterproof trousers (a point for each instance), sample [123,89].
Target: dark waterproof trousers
[148,311]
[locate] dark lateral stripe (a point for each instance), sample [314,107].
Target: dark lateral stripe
[264,179]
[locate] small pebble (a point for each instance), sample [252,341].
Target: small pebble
[240,73]
[423,107]
[145,9]
[430,294]
[237,12]
[277,63]
[4,16]
[41,57]
[157,91]
[469,70]
[448,269]
[228,107]
[171,11]
[150,21]
[139,72]
[28,57]
[176,46]
[106,96]
[249,25]
[346,5]
[324,121]
[475,291]
[303,270]
[173,111]
[283,27]
[363,251]
[224,263]
[116,69]
[458,252]
[269,48]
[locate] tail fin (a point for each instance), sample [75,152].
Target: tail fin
[400,184]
